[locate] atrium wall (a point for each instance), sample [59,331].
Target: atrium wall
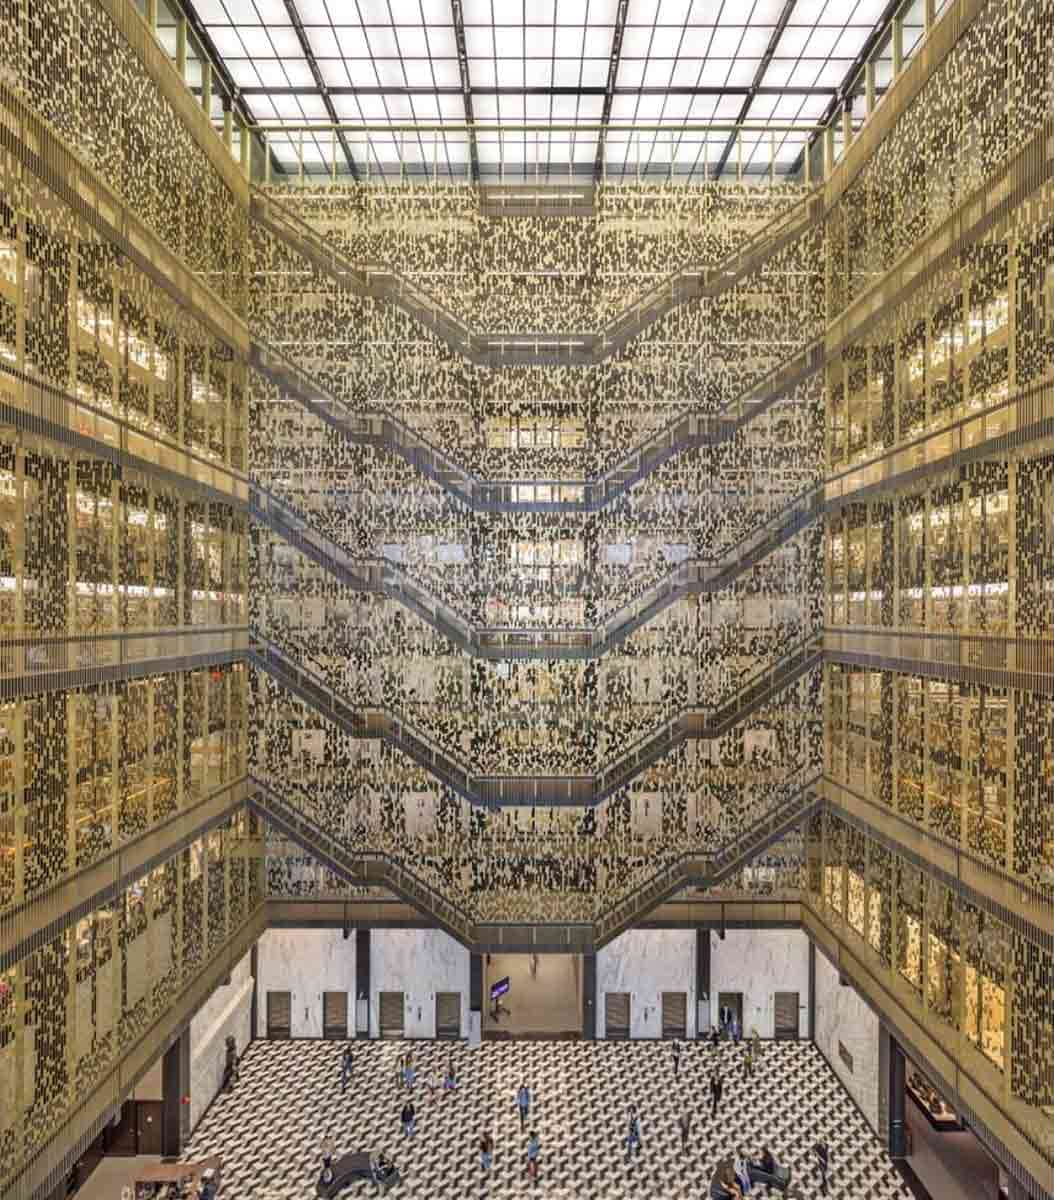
[273,540]
[131,872]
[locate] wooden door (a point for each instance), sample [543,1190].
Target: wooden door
[448,1015]
[675,1014]
[279,1014]
[148,1123]
[335,1015]
[616,1015]
[786,1006]
[119,1137]
[391,1007]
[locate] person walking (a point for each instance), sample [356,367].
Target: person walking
[633,1134]
[755,1041]
[716,1088]
[523,1103]
[748,1063]
[676,1060]
[715,1037]
[823,1162]
[534,1148]
[409,1074]
[737,1030]
[684,1121]
[409,1119]
[346,1064]
[486,1153]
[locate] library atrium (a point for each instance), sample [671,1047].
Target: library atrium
[527,599]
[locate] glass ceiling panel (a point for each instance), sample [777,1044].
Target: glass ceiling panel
[682,62]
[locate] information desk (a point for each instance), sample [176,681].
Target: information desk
[178,1181]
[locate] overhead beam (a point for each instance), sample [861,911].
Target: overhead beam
[759,75]
[609,91]
[320,83]
[466,84]
[342,90]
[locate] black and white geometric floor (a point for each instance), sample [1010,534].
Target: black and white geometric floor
[288,1099]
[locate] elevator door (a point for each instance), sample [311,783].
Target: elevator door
[391,1007]
[616,1014]
[279,1014]
[335,1015]
[675,1014]
[448,1015]
[786,1005]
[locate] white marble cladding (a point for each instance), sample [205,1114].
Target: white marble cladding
[842,1016]
[226,1012]
[646,963]
[306,963]
[759,963]
[418,963]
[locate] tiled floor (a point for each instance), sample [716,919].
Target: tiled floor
[269,1129]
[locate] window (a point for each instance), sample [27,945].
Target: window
[533,431]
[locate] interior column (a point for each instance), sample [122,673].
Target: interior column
[362,983]
[897,1071]
[702,982]
[589,996]
[175,1097]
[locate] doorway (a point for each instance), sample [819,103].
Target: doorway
[616,1015]
[136,1131]
[729,1007]
[542,1000]
[448,1015]
[391,1008]
[786,1018]
[335,1015]
[675,1015]
[279,1014]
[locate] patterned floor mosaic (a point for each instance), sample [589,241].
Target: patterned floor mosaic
[288,1098]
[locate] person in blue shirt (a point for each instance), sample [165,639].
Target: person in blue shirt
[633,1135]
[534,1147]
[523,1103]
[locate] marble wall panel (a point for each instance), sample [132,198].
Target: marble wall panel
[418,963]
[842,1016]
[227,1012]
[758,963]
[305,962]
[646,963]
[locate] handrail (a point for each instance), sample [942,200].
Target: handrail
[683,432]
[398,878]
[378,721]
[378,574]
[498,790]
[704,722]
[1031,408]
[720,863]
[72,417]
[576,347]
[630,908]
